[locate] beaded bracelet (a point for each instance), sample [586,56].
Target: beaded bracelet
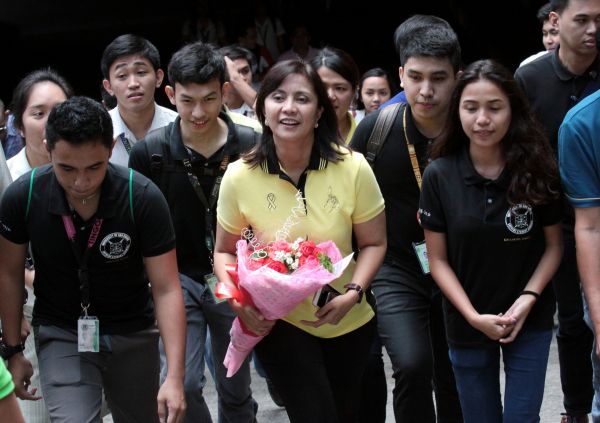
[535,294]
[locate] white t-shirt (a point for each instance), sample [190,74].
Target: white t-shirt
[533,57]
[18,164]
[162,117]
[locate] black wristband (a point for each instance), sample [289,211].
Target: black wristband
[535,294]
[7,351]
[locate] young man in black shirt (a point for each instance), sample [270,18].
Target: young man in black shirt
[408,302]
[553,84]
[187,159]
[98,234]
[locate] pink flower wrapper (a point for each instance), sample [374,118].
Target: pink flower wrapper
[276,294]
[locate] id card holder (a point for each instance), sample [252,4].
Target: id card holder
[88,334]
[421,252]
[212,281]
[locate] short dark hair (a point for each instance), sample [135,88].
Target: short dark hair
[198,63]
[127,45]
[327,138]
[529,158]
[559,5]
[236,52]
[543,13]
[79,120]
[338,61]
[22,91]
[427,35]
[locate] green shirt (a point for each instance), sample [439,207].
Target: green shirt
[6,382]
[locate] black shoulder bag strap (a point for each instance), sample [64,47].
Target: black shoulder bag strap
[247,138]
[381,130]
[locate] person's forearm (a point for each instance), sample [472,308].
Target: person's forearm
[12,290]
[588,246]
[450,286]
[11,308]
[548,264]
[245,91]
[368,263]
[9,409]
[221,259]
[170,315]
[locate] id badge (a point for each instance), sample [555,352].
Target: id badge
[212,281]
[88,334]
[421,252]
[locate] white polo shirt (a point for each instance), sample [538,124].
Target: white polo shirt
[162,117]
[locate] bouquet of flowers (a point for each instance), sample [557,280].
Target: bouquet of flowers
[275,278]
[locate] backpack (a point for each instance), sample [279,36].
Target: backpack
[381,130]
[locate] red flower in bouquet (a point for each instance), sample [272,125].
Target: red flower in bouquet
[285,257]
[307,248]
[277,266]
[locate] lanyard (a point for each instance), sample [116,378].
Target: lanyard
[125,143]
[412,153]
[209,204]
[82,259]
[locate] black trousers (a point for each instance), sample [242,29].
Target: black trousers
[317,378]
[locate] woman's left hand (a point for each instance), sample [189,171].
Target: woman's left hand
[519,312]
[335,310]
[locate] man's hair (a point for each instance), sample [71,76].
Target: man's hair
[77,121]
[543,13]
[430,36]
[22,91]
[127,45]
[558,5]
[236,52]
[197,63]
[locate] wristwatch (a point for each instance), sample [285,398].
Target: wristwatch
[7,351]
[355,287]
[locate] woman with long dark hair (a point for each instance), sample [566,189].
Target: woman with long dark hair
[491,213]
[314,356]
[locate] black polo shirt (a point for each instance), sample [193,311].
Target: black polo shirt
[119,293]
[492,247]
[552,89]
[396,179]
[187,211]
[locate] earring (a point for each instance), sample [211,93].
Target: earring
[266,122]
[316,124]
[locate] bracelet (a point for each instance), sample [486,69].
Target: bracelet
[355,287]
[535,294]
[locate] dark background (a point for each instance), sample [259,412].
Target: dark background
[70,35]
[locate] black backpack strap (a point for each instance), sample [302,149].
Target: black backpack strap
[247,137]
[160,160]
[381,130]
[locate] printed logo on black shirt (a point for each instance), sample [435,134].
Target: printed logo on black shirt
[519,219]
[115,245]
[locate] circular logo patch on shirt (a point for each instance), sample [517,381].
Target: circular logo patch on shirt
[115,245]
[519,219]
